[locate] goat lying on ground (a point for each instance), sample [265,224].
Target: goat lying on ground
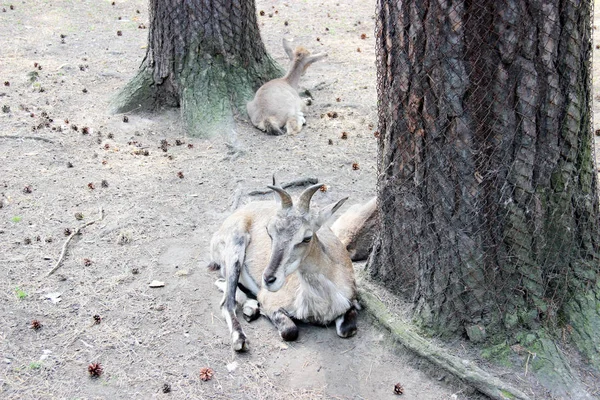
[277,103]
[295,267]
[356,228]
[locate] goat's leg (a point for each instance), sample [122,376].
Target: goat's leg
[250,307]
[345,326]
[251,310]
[232,275]
[284,324]
[301,119]
[292,126]
[271,125]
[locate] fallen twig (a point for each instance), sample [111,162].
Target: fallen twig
[297,182]
[75,232]
[527,362]
[369,374]
[26,137]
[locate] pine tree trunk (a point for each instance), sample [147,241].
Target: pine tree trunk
[487,191]
[205,56]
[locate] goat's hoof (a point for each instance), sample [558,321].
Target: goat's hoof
[348,333]
[289,334]
[250,314]
[239,342]
[345,326]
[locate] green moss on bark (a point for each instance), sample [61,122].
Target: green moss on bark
[214,89]
[499,353]
[553,369]
[140,93]
[211,91]
[582,314]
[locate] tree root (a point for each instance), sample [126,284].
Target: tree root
[297,182]
[463,369]
[73,234]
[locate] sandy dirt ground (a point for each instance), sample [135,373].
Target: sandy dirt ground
[63,158]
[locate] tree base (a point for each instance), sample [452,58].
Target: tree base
[583,324]
[466,371]
[211,91]
[543,358]
[140,94]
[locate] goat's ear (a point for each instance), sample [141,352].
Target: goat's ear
[328,211]
[315,57]
[288,48]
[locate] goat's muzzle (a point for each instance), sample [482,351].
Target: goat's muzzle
[272,284]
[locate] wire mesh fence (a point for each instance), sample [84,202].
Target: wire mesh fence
[487,188]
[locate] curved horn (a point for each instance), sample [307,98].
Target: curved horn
[304,201]
[286,200]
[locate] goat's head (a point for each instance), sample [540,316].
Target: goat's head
[292,231]
[301,57]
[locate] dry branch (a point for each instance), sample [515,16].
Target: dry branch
[26,137]
[75,232]
[463,369]
[297,182]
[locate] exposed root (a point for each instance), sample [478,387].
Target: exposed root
[463,369]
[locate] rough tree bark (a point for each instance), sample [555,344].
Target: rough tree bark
[488,197]
[204,56]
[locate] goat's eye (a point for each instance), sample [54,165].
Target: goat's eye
[306,239]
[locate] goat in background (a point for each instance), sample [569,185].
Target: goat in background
[356,229]
[284,256]
[277,103]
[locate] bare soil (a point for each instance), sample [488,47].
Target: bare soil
[60,63]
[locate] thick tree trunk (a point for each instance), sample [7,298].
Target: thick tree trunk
[205,56]
[487,190]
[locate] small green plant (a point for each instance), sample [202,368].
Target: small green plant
[33,76]
[21,294]
[35,365]
[16,218]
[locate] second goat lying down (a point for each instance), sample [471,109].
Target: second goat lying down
[356,229]
[297,268]
[277,103]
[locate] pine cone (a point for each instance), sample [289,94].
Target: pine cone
[398,389]
[206,374]
[95,370]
